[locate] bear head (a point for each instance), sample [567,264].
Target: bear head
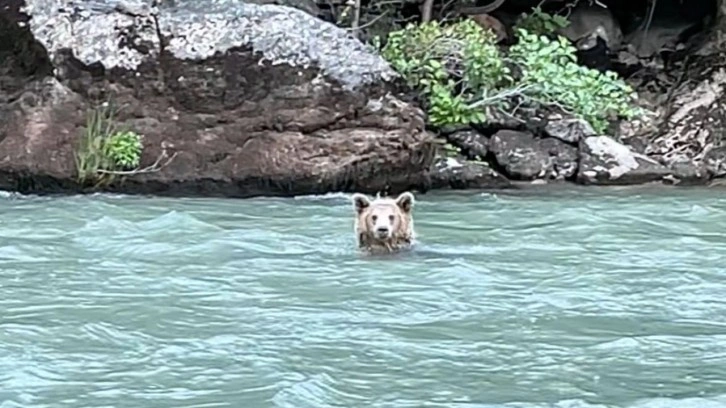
[384,222]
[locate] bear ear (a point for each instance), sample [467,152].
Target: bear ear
[405,201]
[360,202]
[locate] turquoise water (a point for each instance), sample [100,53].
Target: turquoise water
[567,299]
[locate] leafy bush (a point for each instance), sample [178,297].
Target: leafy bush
[552,76]
[452,65]
[104,150]
[461,72]
[539,22]
[124,149]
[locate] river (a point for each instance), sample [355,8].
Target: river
[573,298]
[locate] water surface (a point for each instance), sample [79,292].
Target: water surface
[565,299]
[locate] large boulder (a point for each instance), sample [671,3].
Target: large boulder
[231,98]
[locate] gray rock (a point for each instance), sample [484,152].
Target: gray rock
[197,31]
[308,6]
[567,129]
[694,120]
[497,119]
[604,161]
[688,173]
[715,162]
[116,35]
[459,174]
[525,157]
[473,144]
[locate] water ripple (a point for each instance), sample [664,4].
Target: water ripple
[557,299]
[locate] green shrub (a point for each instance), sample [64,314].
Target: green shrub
[539,22]
[124,150]
[451,65]
[104,150]
[550,71]
[461,72]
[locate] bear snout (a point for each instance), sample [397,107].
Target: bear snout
[383,231]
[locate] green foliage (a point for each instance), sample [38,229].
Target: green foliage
[103,150]
[90,155]
[124,149]
[461,72]
[551,73]
[449,64]
[540,22]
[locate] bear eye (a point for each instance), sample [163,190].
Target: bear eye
[375,217]
[390,217]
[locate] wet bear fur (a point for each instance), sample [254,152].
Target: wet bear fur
[384,224]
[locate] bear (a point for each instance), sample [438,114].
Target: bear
[384,224]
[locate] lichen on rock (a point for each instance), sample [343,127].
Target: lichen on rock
[95,33]
[282,35]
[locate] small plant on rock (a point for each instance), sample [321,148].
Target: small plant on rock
[124,149]
[104,150]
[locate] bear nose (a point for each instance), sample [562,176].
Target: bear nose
[382,230]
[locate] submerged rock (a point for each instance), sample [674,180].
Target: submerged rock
[525,157]
[603,160]
[231,98]
[459,174]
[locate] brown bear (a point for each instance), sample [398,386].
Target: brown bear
[384,224]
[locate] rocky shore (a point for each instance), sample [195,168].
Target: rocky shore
[242,100]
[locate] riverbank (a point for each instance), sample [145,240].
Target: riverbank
[269,100]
